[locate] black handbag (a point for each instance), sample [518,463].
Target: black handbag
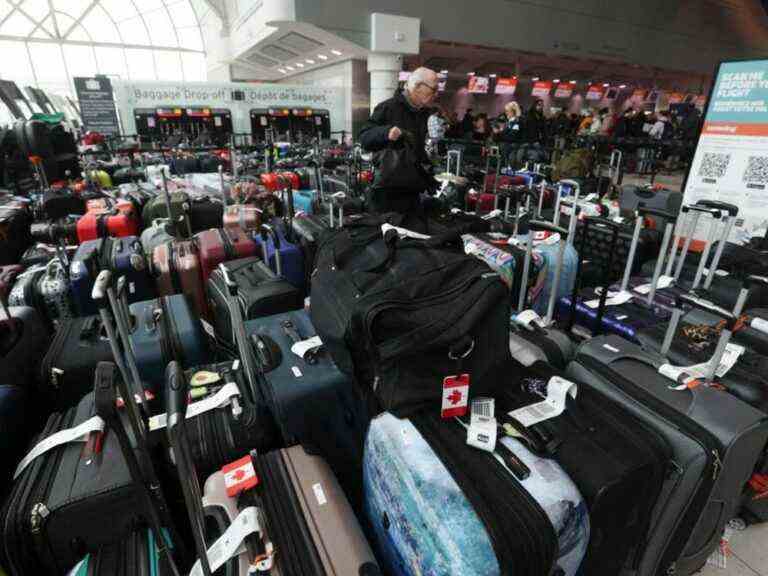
[398,168]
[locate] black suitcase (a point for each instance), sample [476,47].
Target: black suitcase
[56,204]
[260,293]
[22,343]
[68,367]
[715,440]
[617,462]
[57,509]
[135,555]
[15,236]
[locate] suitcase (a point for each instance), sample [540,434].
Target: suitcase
[123,256]
[17,421]
[285,258]
[15,237]
[242,216]
[68,367]
[42,253]
[715,441]
[632,196]
[58,204]
[114,223]
[136,554]
[166,328]
[200,213]
[616,461]
[181,165]
[177,269]
[295,386]
[128,175]
[308,230]
[430,498]
[260,293]
[46,289]
[8,275]
[160,232]
[55,512]
[222,245]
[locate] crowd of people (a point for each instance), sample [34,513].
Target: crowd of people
[534,126]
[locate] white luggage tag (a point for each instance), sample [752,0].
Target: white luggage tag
[528,317]
[218,400]
[403,232]
[230,544]
[301,348]
[691,376]
[493,214]
[664,282]
[79,433]
[553,405]
[613,299]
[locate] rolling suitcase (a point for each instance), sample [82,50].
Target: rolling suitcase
[46,289]
[715,441]
[58,204]
[242,216]
[114,223]
[259,291]
[136,554]
[222,245]
[68,367]
[15,237]
[177,268]
[160,232]
[430,499]
[631,197]
[17,421]
[290,265]
[123,256]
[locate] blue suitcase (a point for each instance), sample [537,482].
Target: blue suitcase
[312,402]
[123,256]
[304,201]
[166,329]
[290,255]
[418,503]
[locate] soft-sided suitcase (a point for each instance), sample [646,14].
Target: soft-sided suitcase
[24,339]
[101,224]
[46,289]
[67,369]
[201,212]
[632,196]
[17,421]
[136,554]
[177,269]
[123,256]
[295,386]
[8,276]
[60,499]
[166,328]
[284,257]
[439,506]
[222,245]
[57,204]
[15,237]
[715,441]
[260,293]
[160,232]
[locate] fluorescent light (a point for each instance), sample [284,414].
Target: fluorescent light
[282,71]
[322,57]
[574,82]
[492,75]
[470,73]
[623,86]
[514,77]
[308,61]
[443,71]
[336,52]
[299,65]
[556,80]
[535,78]
[606,85]
[289,68]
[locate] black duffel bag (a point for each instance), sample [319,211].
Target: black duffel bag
[402,314]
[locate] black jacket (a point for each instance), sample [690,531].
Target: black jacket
[535,126]
[396,112]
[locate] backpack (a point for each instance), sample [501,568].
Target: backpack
[575,164]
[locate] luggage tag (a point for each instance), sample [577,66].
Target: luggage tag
[302,348]
[718,272]
[223,397]
[482,430]
[232,542]
[613,299]
[689,377]
[553,405]
[528,317]
[664,282]
[403,232]
[80,433]
[239,476]
[455,396]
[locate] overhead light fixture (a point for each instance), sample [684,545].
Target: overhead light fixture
[299,65]
[443,71]
[574,82]
[556,80]
[308,61]
[492,75]
[336,52]
[322,57]
[606,85]
[282,71]
[470,73]
[535,78]
[623,86]
[514,77]
[289,68]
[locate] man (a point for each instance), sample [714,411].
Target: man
[396,123]
[437,126]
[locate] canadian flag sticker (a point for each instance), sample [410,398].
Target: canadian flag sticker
[455,396]
[239,476]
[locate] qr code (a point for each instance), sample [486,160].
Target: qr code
[757,170]
[714,165]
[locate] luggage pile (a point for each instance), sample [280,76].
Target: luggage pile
[252,374]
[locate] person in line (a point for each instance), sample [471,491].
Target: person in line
[586,124]
[402,117]
[511,131]
[480,128]
[662,129]
[536,123]
[599,121]
[437,125]
[623,127]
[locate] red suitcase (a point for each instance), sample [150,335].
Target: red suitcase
[480,202]
[221,245]
[117,221]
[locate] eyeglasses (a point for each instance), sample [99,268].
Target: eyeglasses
[433,89]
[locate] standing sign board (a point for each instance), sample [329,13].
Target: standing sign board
[97,105]
[731,159]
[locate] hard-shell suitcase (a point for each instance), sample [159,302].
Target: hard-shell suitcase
[68,367]
[242,216]
[101,224]
[284,257]
[15,238]
[632,196]
[260,293]
[166,328]
[715,441]
[123,256]
[431,499]
[201,212]
[160,232]
[222,245]
[177,268]
[295,386]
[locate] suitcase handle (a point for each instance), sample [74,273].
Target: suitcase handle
[643,210]
[540,226]
[706,306]
[732,209]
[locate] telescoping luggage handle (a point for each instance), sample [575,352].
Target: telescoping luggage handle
[453,159]
[731,212]
[693,213]
[184,216]
[267,231]
[614,167]
[537,226]
[560,187]
[176,408]
[493,154]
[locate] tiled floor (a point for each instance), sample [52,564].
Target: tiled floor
[749,549]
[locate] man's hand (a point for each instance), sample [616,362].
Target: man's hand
[394,134]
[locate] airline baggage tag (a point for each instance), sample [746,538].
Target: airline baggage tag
[760,325]
[483,407]
[493,214]
[239,476]
[613,299]
[664,282]
[590,197]
[79,433]
[218,400]
[546,238]
[403,232]
[691,376]
[301,348]
[455,396]
[718,272]
[528,317]
[231,543]
[553,405]
[482,432]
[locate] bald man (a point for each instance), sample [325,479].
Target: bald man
[407,111]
